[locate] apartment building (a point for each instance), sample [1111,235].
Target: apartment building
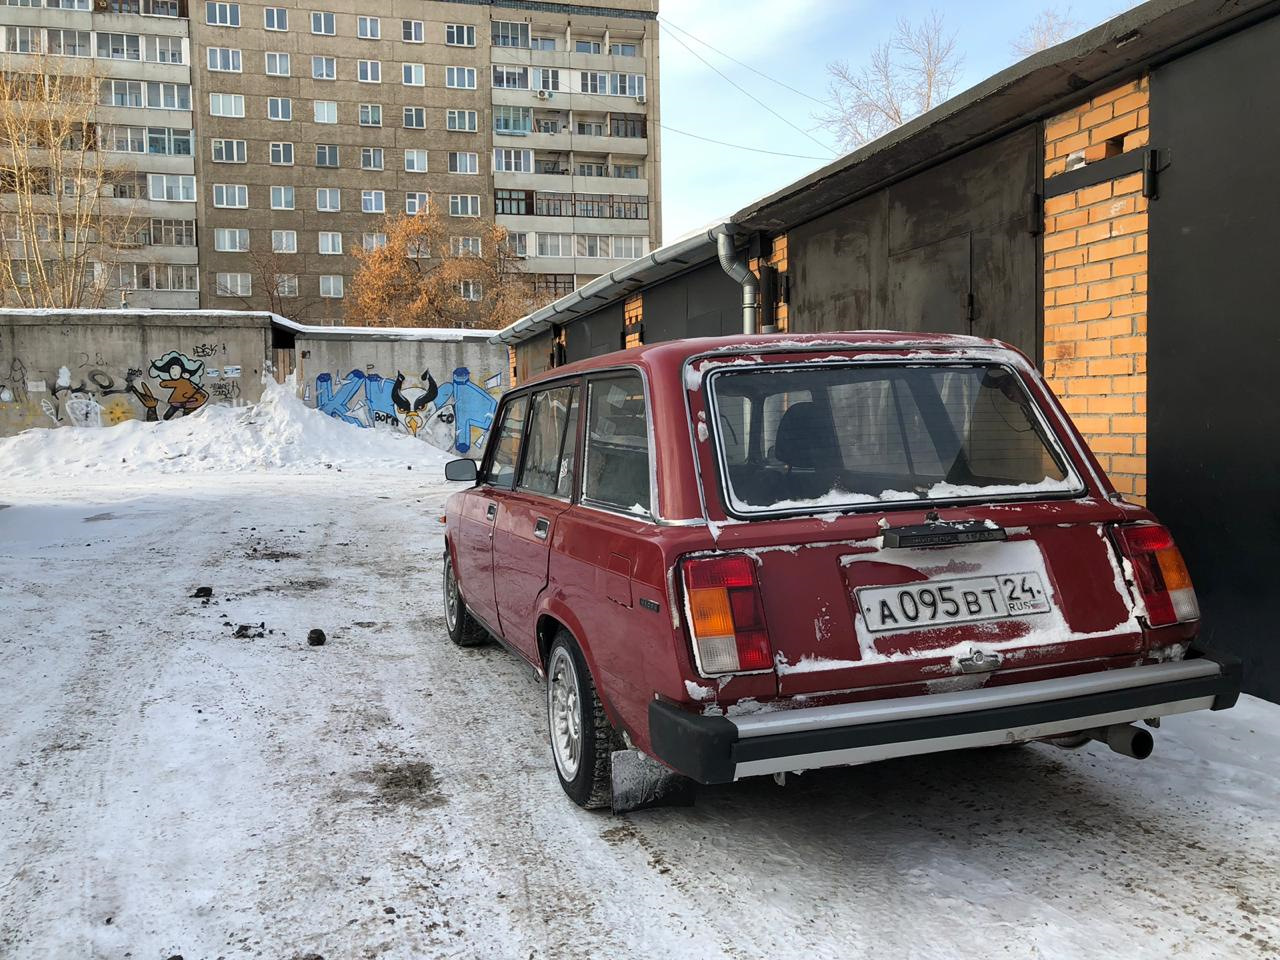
[140,52]
[271,140]
[319,119]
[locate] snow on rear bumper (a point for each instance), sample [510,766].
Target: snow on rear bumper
[718,749]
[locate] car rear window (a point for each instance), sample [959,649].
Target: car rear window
[616,468]
[818,437]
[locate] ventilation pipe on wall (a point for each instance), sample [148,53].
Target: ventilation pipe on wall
[736,267]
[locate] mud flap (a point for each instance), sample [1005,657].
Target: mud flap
[640,782]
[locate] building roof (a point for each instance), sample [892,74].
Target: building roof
[1039,86]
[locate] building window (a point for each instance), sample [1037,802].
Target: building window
[461,120]
[324,68]
[459,35]
[162,50]
[328,200]
[173,233]
[286,284]
[23,40]
[369,71]
[331,285]
[368,28]
[176,96]
[460,78]
[282,154]
[229,151]
[465,246]
[222,14]
[282,198]
[626,171]
[330,243]
[323,24]
[123,139]
[513,202]
[371,158]
[169,141]
[623,50]
[284,241]
[512,119]
[415,118]
[70,43]
[279,108]
[510,78]
[463,205]
[586,46]
[628,248]
[326,111]
[593,245]
[415,161]
[461,162]
[507,33]
[472,290]
[590,82]
[234,285]
[415,203]
[121,93]
[373,201]
[543,43]
[626,84]
[627,125]
[373,241]
[231,196]
[370,115]
[553,284]
[222,59]
[411,31]
[555,245]
[414,74]
[225,105]
[171,186]
[517,244]
[275,18]
[231,240]
[546,78]
[326,155]
[512,161]
[277,64]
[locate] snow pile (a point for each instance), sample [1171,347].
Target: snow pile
[278,433]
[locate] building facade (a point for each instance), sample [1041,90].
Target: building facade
[272,140]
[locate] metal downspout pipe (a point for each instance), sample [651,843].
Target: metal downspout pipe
[736,267]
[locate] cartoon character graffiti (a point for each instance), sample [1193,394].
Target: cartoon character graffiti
[411,402]
[180,375]
[469,408]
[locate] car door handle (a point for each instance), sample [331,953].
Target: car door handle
[491,512]
[542,528]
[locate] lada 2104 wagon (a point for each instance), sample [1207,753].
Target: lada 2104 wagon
[762,554]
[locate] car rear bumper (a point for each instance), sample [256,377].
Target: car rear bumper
[720,749]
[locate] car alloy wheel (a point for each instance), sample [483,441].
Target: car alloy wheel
[564,710]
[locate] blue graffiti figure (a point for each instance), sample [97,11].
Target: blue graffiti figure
[338,404]
[473,407]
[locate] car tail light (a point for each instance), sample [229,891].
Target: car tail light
[725,615]
[1160,573]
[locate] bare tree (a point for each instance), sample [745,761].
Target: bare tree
[1050,27]
[274,275]
[67,201]
[429,274]
[904,77]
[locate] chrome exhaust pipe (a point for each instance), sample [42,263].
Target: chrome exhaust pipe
[1125,738]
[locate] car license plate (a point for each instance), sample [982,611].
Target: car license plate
[915,606]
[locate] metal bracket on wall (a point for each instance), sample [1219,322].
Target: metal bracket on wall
[1151,170]
[1035,213]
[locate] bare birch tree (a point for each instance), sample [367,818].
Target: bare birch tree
[903,78]
[62,224]
[431,273]
[1050,27]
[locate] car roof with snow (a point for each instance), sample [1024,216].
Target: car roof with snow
[669,356]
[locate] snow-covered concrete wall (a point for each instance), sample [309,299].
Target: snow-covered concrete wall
[439,385]
[96,368]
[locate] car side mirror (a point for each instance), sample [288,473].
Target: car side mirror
[463,470]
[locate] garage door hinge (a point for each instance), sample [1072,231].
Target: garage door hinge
[1035,213]
[1151,168]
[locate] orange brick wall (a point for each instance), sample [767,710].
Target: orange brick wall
[1095,284]
[633,312]
[777,259]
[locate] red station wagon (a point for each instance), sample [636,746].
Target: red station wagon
[760,554]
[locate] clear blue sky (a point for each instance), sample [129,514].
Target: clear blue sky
[794,41]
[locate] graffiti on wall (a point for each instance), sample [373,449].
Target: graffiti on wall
[94,397]
[454,415]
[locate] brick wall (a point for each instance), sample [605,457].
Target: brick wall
[633,318]
[777,258]
[1095,284]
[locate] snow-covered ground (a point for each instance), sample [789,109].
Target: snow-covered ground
[168,788]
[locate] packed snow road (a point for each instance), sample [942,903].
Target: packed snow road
[170,788]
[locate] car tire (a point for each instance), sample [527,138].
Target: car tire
[582,739]
[464,629]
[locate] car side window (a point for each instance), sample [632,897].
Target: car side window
[552,429]
[506,451]
[616,464]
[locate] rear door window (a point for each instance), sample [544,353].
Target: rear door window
[506,448]
[616,463]
[552,442]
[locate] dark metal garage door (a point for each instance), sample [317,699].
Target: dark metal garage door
[1214,336]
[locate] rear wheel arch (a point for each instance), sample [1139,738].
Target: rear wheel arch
[550,623]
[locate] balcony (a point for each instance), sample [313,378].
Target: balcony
[569,183]
[567,100]
[566,140]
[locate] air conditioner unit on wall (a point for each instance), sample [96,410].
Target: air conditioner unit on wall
[641,98]
[544,95]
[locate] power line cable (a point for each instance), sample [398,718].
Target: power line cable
[739,146]
[746,66]
[745,92]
